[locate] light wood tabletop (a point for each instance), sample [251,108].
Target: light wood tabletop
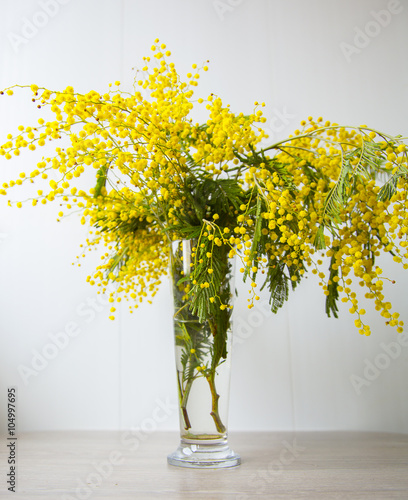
[277,465]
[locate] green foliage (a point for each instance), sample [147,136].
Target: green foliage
[390,187]
[277,283]
[101,178]
[332,289]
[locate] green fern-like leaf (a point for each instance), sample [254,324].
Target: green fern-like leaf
[332,288]
[101,176]
[257,234]
[390,187]
[278,285]
[336,196]
[318,241]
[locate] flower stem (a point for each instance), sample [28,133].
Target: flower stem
[215,397]
[183,405]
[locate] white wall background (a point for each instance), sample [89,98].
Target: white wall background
[290,371]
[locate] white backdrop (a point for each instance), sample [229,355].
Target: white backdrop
[340,59]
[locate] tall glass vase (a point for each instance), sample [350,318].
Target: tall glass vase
[203,360]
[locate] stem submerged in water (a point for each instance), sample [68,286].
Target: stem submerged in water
[183,404]
[214,407]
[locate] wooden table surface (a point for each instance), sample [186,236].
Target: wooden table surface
[277,465]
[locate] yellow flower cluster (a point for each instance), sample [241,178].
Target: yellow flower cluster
[157,177]
[365,226]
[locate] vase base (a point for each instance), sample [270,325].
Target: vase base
[199,455]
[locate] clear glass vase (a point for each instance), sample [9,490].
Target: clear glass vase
[203,360]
